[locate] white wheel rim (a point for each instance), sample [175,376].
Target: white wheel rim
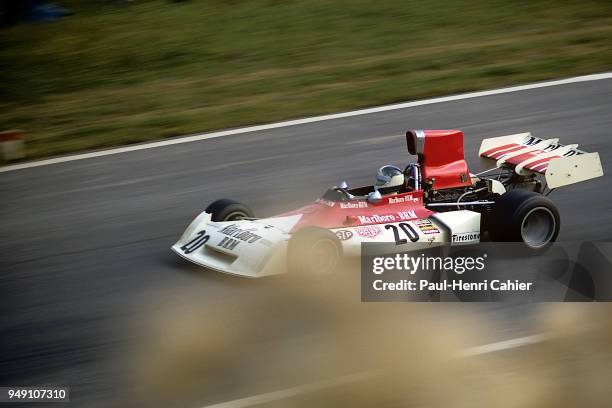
[538,227]
[235,216]
[324,255]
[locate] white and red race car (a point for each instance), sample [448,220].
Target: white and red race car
[437,202]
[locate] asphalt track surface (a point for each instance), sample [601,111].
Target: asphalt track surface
[85,244]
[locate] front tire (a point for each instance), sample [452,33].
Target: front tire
[313,251]
[228,210]
[527,217]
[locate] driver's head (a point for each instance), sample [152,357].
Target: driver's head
[389,176]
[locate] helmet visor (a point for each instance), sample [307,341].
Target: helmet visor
[386,173]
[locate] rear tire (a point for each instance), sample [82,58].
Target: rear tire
[527,217]
[313,251]
[228,210]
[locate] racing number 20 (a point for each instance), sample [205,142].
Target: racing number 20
[200,239]
[406,229]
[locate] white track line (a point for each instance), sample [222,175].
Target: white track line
[366,375]
[213,135]
[295,391]
[504,345]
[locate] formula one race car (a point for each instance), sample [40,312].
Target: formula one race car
[434,201]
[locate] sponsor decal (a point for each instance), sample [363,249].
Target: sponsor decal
[426,226]
[343,235]
[377,219]
[373,219]
[407,215]
[243,235]
[368,232]
[466,237]
[405,199]
[325,202]
[358,204]
[228,243]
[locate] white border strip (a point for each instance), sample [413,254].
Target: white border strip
[366,375]
[213,135]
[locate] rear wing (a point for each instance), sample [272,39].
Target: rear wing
[560,164]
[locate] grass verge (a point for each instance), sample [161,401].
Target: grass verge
[125,72]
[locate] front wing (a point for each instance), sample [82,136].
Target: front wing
[250,248]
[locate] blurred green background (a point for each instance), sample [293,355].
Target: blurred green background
[118,72]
